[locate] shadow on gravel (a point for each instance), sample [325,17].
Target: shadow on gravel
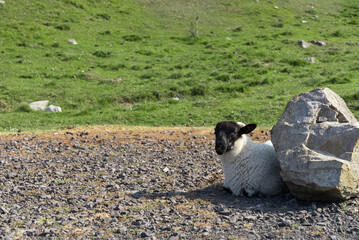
[215,195]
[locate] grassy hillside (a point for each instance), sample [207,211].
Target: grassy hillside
[223,60]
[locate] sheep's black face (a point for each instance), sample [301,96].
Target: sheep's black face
[227,133]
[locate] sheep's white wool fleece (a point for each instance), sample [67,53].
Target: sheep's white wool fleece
[251,167]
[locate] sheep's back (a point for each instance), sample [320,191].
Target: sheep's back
[256,169]
[271,180]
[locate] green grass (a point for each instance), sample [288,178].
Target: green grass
[238,61]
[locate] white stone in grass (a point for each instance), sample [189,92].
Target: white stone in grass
[2,2]
[309,59]
[303,44]
[73,41]
[276,7]
[53,108]
[39,105]
[304,21]
[319,43]
[176,98]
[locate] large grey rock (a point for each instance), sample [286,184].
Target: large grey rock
[316,142]
[39,105]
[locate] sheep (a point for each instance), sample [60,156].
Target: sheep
[249,168]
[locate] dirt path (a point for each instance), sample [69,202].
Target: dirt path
[126,183]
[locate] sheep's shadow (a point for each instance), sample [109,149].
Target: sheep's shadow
[216,195]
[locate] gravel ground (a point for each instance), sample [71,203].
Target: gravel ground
[151,183]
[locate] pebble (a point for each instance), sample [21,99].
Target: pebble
[144,235]
[250,218]
[3,210]
[284,223]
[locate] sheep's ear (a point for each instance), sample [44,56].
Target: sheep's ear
[247,128]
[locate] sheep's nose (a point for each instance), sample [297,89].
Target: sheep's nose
[220,148]
[219,144]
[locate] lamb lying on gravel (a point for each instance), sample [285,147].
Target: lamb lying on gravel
[249,168]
